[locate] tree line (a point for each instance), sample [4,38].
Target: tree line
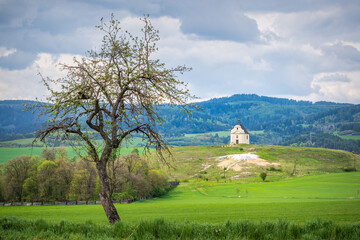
[53,177]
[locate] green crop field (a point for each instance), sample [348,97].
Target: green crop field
[328,197]
[24,141]
[7,154]
[220,133]
[348,136]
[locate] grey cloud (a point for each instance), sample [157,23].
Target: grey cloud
[235,26]
[322,25]
[212,19]
[289,6]
[334,78]
[17,60]
[345,52]
[47,26]
[16,14]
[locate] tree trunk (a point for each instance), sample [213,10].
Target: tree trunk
[105,195]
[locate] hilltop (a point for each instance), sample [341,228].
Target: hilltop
[213,163]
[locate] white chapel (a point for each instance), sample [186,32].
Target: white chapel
[239,135]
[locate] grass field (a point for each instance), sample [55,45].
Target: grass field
[24,141]
[220,133]
[328,197]
[7,154]
[348,136]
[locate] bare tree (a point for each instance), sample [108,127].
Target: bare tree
[112,94]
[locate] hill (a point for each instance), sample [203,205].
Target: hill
[337,128]
[15,121]
[270,120]
[216,163]
[255,112]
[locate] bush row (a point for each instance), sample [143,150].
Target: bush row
[53,178]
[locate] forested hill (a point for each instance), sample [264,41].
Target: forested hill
[255,112]
[336,128]
[15,121]
[271,120]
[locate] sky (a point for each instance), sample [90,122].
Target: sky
[304,50]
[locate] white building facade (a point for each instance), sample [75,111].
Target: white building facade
[239,135]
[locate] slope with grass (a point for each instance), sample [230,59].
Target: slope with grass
[201,162]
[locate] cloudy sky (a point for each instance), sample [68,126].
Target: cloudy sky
[308,49]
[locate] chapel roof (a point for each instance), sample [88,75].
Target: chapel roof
[239,125]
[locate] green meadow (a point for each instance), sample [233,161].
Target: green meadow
[7,153]
[309,193]
[327,197]
[347,136]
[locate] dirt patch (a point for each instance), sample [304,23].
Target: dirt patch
[226,163]
[241,162]
[259,162]
[239,167]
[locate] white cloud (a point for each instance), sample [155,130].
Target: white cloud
[4,52]
[26,83]
[336,86]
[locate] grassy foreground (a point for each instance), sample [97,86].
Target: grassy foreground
[330,197]
[12,228]
[320,202]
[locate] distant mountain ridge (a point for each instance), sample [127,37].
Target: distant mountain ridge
[254,111]
[16,120]
[277,120]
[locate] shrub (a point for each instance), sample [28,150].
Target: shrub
[158,191]
[349,169]
[273,169]
[263,176]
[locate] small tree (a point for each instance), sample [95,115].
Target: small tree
[17,171]
[263,176]
[112,94]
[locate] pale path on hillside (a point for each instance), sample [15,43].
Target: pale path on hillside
[238,162]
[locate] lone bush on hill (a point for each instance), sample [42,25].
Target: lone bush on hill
[263,176]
